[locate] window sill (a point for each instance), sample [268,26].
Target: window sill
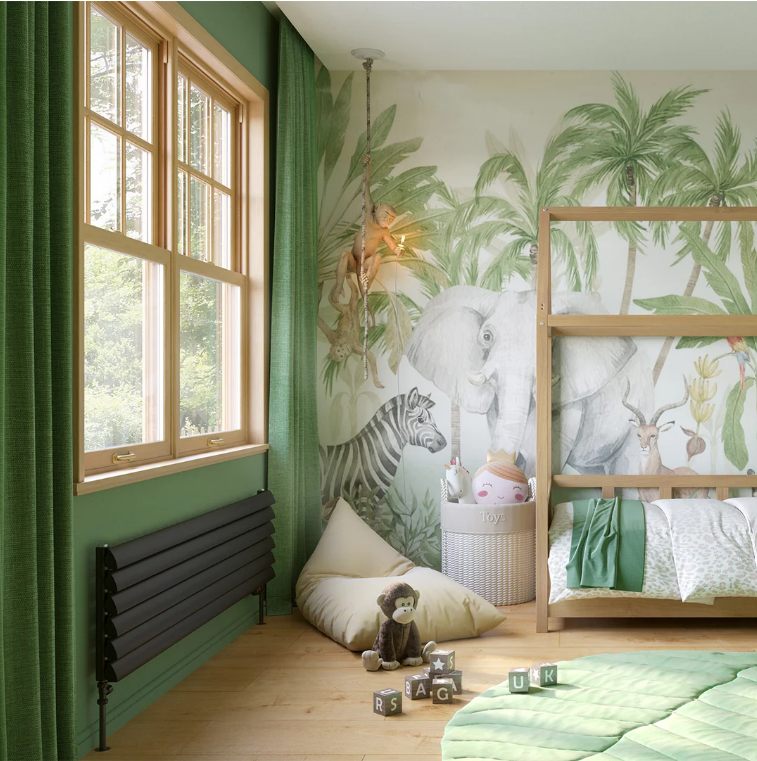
[115,478]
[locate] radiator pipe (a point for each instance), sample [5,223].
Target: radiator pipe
[261,605]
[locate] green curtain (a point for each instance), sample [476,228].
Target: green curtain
[293,460]
[36,256]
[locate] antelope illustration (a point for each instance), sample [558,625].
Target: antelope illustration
[649,438]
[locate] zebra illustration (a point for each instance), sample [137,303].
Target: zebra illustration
[367,463]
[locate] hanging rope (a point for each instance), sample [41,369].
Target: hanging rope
[367,64]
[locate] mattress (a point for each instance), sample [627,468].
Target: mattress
[696,550]
[653,706]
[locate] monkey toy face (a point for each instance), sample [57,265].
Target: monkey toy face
[385,214]
[399,602]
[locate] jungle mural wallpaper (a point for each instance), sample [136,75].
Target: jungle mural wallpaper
[466,159]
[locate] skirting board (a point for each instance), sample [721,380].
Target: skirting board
[620,607]
[123,712]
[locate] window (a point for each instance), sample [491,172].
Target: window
[172,243]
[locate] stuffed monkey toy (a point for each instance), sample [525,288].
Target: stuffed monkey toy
[398,641]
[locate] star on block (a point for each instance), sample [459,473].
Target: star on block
[441,662]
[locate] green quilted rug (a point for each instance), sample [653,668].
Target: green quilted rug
[653,706]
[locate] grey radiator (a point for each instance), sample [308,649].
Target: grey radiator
[155,590]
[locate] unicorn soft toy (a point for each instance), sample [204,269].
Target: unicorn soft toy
[459,483]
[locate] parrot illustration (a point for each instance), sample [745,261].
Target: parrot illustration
[741,351]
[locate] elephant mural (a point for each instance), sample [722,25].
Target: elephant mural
[479,348]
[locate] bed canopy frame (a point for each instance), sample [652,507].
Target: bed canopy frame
[549,326]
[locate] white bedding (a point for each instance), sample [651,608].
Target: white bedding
[697,549]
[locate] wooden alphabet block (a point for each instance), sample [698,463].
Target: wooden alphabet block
[387,702]
[544,674]
[457,681]
[426,671]
[519,680]
[441,662]
[442,690]
[418,686]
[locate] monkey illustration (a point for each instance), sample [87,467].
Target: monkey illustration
[345,339]
[378,219]
[398,641]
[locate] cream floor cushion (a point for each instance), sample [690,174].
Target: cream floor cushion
[351,566]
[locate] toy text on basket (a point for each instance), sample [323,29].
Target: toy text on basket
[459,483]
[500,481]
[398,642]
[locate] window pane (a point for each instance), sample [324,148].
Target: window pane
[138,193]
[210,356]
[104,66]
[138,111]
[199,129]
[221,228]
[199,219]
[181,210]
[181,118]
[221,145]
[123,350]
[105,179]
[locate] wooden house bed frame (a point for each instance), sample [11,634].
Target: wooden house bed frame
[549,326]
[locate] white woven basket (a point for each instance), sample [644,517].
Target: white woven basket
[491,550]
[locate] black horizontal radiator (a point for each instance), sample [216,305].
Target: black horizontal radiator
[155,590]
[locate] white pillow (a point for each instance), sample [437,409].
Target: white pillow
[351,566]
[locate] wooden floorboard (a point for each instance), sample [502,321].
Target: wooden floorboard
[285,692]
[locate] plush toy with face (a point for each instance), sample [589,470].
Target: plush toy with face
[398,641]
[500,482]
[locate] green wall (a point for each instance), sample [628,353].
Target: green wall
[250,33]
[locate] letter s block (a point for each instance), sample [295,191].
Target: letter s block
[387,702]
[442,690]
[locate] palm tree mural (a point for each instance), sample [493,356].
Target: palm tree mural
[729,178]
[490,220]
[625,148]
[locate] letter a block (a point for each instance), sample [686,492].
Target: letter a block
[457,681]
[519,680]
[441,662]
[442,690]
[544,674]
[418,686]
[387,702]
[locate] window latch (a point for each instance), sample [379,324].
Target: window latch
[214,442]
[126,457]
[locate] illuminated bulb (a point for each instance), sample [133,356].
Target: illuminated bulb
[401,246]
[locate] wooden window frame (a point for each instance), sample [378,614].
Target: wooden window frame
[182,44]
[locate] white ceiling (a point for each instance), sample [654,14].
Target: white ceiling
[571,36]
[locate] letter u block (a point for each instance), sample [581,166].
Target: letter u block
[387,702]
[519,680]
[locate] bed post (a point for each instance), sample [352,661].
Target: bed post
[543,420]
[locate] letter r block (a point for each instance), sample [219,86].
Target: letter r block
[387,702]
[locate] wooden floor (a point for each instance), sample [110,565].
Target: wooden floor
[284,692]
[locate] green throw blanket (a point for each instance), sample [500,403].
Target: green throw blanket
[608,545]
[658,706]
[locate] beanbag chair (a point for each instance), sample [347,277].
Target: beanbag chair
[352,565]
